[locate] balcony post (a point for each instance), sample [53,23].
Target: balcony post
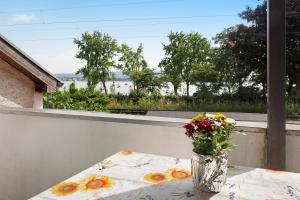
[276,147]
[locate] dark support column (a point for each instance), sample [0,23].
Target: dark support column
[276,146]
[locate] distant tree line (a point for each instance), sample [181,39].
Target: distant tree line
[102,54]
[236,65]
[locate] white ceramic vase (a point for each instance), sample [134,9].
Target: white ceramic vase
[209,172]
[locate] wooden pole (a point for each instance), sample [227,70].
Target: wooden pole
[276,147]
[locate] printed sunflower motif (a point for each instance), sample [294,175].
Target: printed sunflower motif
[95,183]
[179,174]
[157,177]
[64,189]
[125,153]
[274,171]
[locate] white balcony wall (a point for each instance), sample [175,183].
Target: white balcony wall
[38,150]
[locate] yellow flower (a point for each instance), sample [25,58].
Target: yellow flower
[157,177]
[95,183]
[179,174]
[64,189]
[220,116]
[197,118]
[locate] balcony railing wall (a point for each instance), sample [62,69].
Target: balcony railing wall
[41,148]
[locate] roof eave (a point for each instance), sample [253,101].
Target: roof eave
[30,59]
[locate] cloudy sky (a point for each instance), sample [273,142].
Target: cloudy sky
[45,29]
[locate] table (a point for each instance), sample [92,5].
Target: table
[137,176]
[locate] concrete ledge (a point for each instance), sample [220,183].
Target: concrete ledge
[66,142]
[96,116]
[258,127]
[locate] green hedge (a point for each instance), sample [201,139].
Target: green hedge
[90,100]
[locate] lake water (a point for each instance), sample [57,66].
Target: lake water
[124,87]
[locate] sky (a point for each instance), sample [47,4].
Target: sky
[45,29]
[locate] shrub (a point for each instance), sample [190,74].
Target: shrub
[135,96]
[83,99]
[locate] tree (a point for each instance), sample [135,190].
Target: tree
[248,45]
[170,73]
[293,45]
[171,65]
[148,81]
[232,75]
[242,54]
[197,50]
[99,51]
[132,63]
[183,54]
[206,78]
[205,75]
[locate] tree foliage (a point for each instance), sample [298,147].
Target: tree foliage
[171,65]
[183,55]
[149,81]
[98,50]
[133,63]
[247,44]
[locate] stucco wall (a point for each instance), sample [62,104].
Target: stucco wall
[42,151]
[47,147]
[38,100]
[16,89]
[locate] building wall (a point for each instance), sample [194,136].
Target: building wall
[47,147]
[42,151]
[16,89]
[38,100]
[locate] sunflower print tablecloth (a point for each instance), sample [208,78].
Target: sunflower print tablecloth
[136,176]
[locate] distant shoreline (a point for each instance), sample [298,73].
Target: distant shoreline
[123,86]
[117,76]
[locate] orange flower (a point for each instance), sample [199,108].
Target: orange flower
[179,174]
[64,189]
[157,177]
[95,183]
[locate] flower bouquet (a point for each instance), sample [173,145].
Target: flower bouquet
[210,135]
